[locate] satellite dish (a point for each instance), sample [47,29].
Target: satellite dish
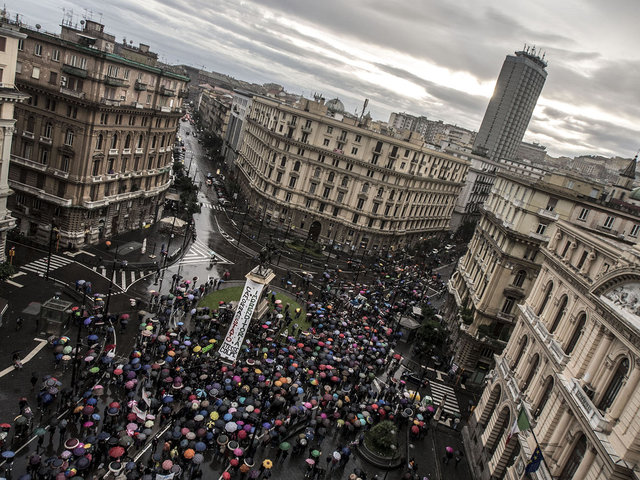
[38,26]
[81,22]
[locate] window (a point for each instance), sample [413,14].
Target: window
[532,371]
[279,177]
[308,203]
[35,73]
[354,150]
[316,172]
[574,461]
[551,204]
[55,55]
[21,44]
[312,188]
[336,211]
[365,187]
[18,67]
[132,120]
[340,197]
[615,384]
[99,141]
[375,208]
[292,182]
[326,192]
[44,156]
[321,207]
[53,78]
[608,223]
[127,141]
[518,281]
[104,118]
[287,197]
[114,141]
[545,299]
[37,50]
[542,227]
[360,204]
[508,304]
[296,166]
[64,164]
[325,142]
[126,74]
[584,213]
[329,129]
[576,334]
[48,129]
[523,346]
[356,217]
[634,230]
[358,138]
[345,181]
[562,308]
[68,138]
[331,177]
[96,168]
[112,71]
[544,398]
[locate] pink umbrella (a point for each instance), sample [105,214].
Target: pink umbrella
[449,449]
[238,452]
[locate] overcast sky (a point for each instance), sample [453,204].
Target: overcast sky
[426,57]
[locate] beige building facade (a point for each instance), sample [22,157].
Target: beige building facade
[10,37]
[92,151]
[502,261]
[341,184]
[572,363]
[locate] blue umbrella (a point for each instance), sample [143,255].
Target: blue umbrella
[200,446]
[92,337]
[92,401]
[7,454]
[167,399]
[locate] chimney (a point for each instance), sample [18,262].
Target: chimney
[144,48]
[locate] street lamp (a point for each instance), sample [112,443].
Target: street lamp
[393,450]
[81,320]
[113,273]
[166,254]
[52,229]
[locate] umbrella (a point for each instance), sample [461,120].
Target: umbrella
[267,464]
[40,431]
[116,452]
[167,464]
[189,453]
[285,446]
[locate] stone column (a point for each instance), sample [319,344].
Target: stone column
[559,432]
[597,359]
[585,464]
[625,393]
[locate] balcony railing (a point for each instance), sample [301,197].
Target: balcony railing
[46,140]
[543,212]
[139,150]
[584,403]
[71,93]
[110,102]
[28,163]
[546,338]
[539,236]
[167,92]
[140,85]
[126,151]
[26,134]
[40,193]
[114,81]
[113,151]
[75,71]
[183,93]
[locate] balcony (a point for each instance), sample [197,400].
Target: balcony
[543,212]
[307,129]
[58,173]
[183,93]
[137,105]
[26,134]
[40,193]
[29,163]
[114,81]
[126,151]
[72,93]
[45,140]
[539,236]
[505,317]
[167,92]
[161,149]
[75,71]
[110,102]
[164,109]
[584,403]
[139,151]
[113,151]
[140,86]
[544,337]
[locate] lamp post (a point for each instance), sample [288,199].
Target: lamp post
[284,243]
[166,254]
[113,273]
[393,449]
[86,288]
[244,220]
[52,229]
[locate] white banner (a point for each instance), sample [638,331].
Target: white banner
[165,477]
[240,323]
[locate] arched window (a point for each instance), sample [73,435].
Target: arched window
[161,141]
[365,187]
[545,299]
[153,141]
[532,372]
[99,141]
[559,314]
[31,124]
[283,162]
[492,403]
[68,138]
[140,141]
[345,181]
[576,334]
[47,130]
[331,177]
[518,281]
[114,141]
[380,192]
[296,166]
[127,142]
[523,346]
[615,384]
[574,460]
[544,398]
[316,172]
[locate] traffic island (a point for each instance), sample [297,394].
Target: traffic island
[380,446]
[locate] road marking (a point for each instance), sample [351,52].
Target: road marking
[17,274]
[26,359]
[15,284]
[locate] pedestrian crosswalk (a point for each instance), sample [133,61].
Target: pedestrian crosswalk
[40,266]
[217,208]
[199,253]
[123,278]
[439,391]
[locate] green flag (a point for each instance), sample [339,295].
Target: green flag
[523,421]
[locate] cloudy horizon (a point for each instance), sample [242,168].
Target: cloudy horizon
[432,58]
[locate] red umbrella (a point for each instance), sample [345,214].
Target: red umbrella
[116,452]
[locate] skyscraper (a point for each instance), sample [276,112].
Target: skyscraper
[511,106]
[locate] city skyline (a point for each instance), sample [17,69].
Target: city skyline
[589,104]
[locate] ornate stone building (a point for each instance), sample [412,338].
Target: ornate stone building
[573,360]
[339,182]
[10,36]
[502,260]
[92,149]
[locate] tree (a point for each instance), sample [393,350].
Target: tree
[382,438]
[6,270]
[464,234]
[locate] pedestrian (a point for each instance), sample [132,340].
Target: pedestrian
[458,457]
[34,380]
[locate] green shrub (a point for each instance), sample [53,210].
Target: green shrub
[382,439]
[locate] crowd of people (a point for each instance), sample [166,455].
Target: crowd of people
[171,403]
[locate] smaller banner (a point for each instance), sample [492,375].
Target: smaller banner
[240,323]
[165,477]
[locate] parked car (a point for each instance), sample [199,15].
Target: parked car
[223,201]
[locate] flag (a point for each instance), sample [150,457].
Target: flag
[534,461]
[520,424]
